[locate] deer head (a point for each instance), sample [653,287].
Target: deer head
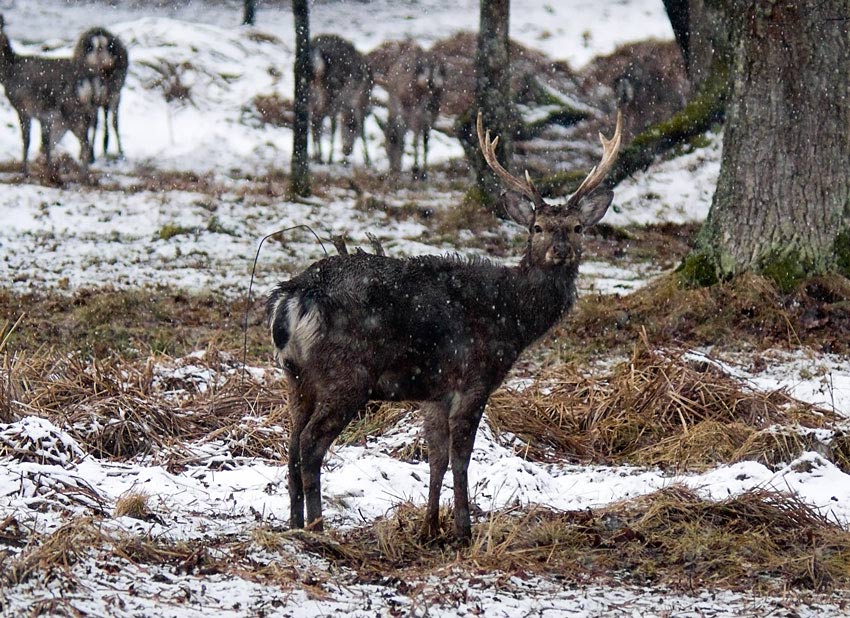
[555,230]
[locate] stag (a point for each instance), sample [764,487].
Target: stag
[51,90]
[443,331]
[341,87]
[100,55]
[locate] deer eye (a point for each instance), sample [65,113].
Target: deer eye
[578,229]
[537,229]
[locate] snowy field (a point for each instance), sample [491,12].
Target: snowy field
[122,233]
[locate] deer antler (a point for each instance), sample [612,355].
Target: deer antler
[610,148]
[488,149]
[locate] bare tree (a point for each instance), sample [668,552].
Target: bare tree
[300,166]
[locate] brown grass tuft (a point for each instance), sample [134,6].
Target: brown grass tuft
[760,539]
[658,409]
[133,504]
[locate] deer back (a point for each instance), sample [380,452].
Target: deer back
[411,329]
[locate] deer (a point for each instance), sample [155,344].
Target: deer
[101,55]
[51,90]
[414,84]
[341,87]
[440,330]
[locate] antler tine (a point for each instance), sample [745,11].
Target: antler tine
[610,148]
[488,149]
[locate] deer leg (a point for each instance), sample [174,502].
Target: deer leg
[316,130]
[348,132]
[415,155]
[426,137]
[302,408]
[366,159]
[26,126]
[46,145]
[328,421]
[333,135]
[463,423]
[115,128]
[437,437]
[92,132]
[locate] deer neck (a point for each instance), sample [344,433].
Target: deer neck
[544,295]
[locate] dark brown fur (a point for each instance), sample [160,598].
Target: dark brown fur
[413,79]
[341,88]
[51,90]
[440,330]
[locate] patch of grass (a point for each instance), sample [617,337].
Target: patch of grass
[133,504]
[653,410]
[170,230]
[697,270]
[102,322]
[759,540]
[747,311]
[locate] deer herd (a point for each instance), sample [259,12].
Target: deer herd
[67,94]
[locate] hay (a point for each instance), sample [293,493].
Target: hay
[56,552]
[760,539]
[120,409]
[747,311]
[658,409]
[133,504]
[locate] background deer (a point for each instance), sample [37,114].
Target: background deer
[413,79]
[101,55]
[341,87]
[441,330]
[52,90]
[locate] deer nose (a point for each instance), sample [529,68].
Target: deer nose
[561,248]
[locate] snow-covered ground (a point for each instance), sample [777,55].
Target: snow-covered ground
[118,235]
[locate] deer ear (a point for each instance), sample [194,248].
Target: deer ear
[518,209]
[594,206]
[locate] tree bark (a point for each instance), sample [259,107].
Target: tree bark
[300,168]
[782,203]
[250,13]
[492,97]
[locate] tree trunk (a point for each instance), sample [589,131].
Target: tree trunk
[301,126]
[782,203]
[492,97]
[678,14]
[250,13]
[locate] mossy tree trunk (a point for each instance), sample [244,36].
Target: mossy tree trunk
[492,97]
[300,166]
[782,203]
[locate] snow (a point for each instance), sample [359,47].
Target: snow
[114,234]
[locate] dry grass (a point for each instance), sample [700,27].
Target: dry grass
[118,409]
[133,504]
[747,311]
[762,540]
[657,409]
